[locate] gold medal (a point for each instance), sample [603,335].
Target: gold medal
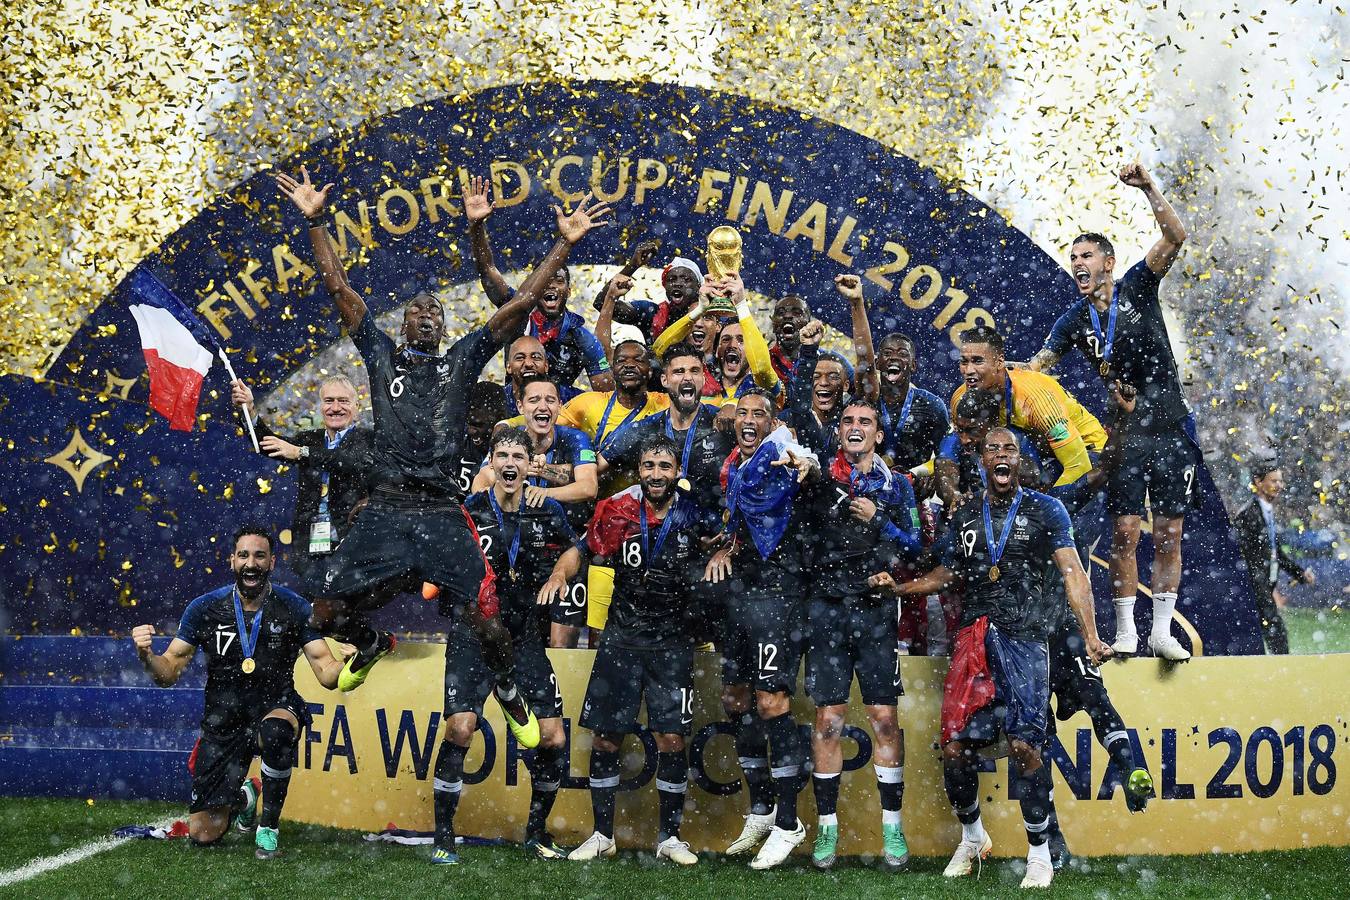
[513,575]
[994,573]
[684,485]
[1104,368]
[248,665]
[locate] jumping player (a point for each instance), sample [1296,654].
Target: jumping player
[251,632]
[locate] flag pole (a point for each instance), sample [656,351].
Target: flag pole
[248,417]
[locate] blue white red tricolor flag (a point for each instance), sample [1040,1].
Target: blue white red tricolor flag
[762,493]
[176,346]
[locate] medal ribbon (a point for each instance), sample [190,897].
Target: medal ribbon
[601,441]
[688,440]
[1109,339]
[647,554]
[996,550]
[248,640]
[501,526]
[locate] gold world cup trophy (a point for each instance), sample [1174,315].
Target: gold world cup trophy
[724,258]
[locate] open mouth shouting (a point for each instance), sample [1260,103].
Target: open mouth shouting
[826,397]
[251,579]
[1083,277]
[894,372]
[510,477]
[550,301]
[747,435]
[687,395]
[541,419]
[732,359]
[1002,475]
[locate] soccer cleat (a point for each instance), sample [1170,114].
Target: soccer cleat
[1138,790]
[543,846]
[594,847]
[677,851]
[1060,857]
[247,817]
[527,732]
[897,850]
[266,839]
[1125,644]
[443,857]
[1039,874]
[349,679]
[966,855]
[778,846]
[756,829]
[827,841]
[1167,647]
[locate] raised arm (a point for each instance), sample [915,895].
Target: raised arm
[313,205]
[1162,254]
[166,668]
[623,311]
[604,326]
[865,374]
[478,206]
[756,347]
[507,321]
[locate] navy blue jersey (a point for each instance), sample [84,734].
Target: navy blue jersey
[823,438]
[912,436]
[1141,354]
[654,580]
[545,535]
[968,459]
[1019,602]
[706,452]
[843,552]
[236,699]
[571,348]
[420,405]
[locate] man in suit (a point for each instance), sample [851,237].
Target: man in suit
[1258,538]
[331,462]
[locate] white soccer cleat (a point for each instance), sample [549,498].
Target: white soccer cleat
[1168,647]
[967,854]
[756,829]
[1126,644]
[778,847]
[677,851]
[1039,874]
[595,846]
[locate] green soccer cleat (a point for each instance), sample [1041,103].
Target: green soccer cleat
[444,857]
[1138,790]
[247,817]
[266,839]
[543,846]
[827,842]
[527,732]
[349,679]
[897,851]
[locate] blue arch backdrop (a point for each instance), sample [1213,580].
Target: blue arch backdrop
[113,520]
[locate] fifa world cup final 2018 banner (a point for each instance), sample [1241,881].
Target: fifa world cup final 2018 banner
[112,519]
[1245,753]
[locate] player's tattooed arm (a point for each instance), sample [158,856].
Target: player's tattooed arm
[556,474]
[1079,591]
[478,206]
[1162,254]
[583,487]
[163,668]
[1043,361]
[313,205]
[325,665]
[564,570]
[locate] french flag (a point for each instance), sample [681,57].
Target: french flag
[175,344]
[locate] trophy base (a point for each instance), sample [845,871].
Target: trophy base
[721,306]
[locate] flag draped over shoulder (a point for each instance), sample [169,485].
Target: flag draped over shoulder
[760,493]
[176,347]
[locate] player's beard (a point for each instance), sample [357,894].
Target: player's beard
[255,590]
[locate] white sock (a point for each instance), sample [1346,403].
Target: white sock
[1039,851]
[1124,616]
[831,819]
[974,832]
[1163,606]
[892,817]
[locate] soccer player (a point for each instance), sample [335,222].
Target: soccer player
[790,316]
[251,632]
[999,546]
[742,354]
[414,529]
[331,463]
[570,345]
[1259,541]
[535,554]
[1119,326]
[681,280]
[605,416]
[862,519]
[525,358]
[562,468]
[485,411]
[957,463]
[646,541]
[763,570]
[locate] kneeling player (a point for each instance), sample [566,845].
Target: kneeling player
[535,552]
[252,708]
[862,519]
[999,678]
[647,540]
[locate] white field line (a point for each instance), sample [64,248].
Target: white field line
[44,864]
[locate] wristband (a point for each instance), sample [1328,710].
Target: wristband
[322,220]
[743,309]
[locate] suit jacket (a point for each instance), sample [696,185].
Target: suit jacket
[347,466]
[1254,542]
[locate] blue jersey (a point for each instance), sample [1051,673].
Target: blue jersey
[1021,601]
[573,349]
[912,435]
[1141,353]
[236,699]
